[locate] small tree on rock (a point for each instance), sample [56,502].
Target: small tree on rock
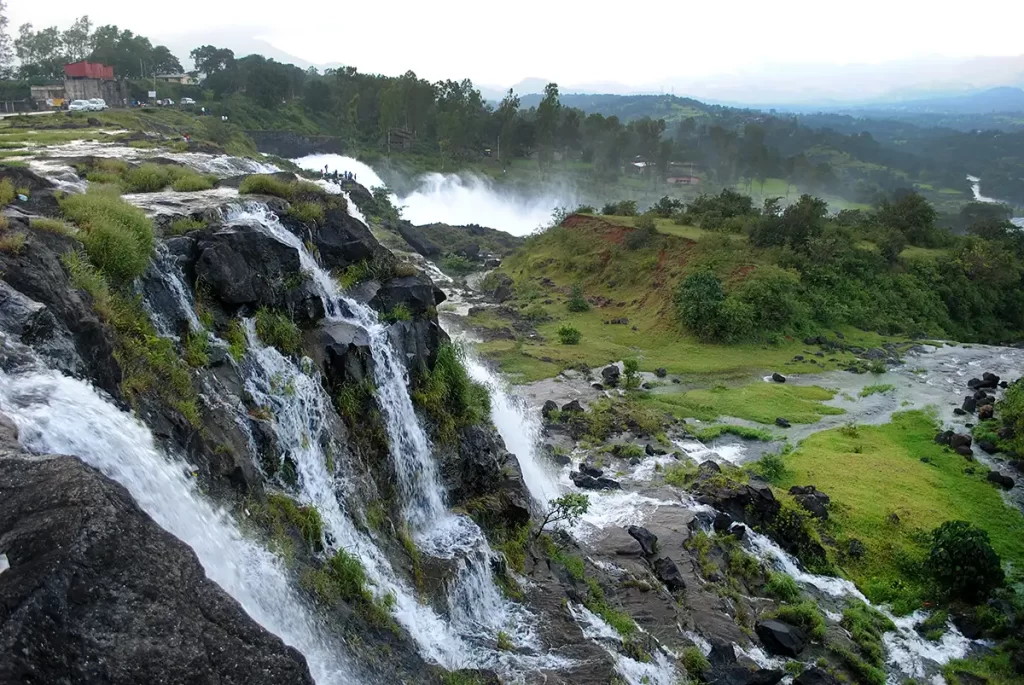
[569,508]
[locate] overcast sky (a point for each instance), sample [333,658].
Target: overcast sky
[637,43]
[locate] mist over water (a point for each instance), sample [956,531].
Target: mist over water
[458,199]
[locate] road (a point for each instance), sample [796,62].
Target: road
[30,114]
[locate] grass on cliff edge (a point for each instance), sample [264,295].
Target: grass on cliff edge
[874,472]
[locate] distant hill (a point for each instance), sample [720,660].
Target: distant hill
[1004,99]
[671,108]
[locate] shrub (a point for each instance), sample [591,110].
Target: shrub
[457,265]
[782,586]
[307,212]
[197,348]
[400,312]
[41,223]
[450,396]
[695,663]
[185,224]
[7,192]
[569,335]
[305,519]
[189,181]
[277,330]
[265,184]
[118,237]
[771,467]
[12,243]
[644,233]
[631,368]
[536,312]
[962,561]
[577,302]
[699,301]
[237,342]
[146,178]
[804,615]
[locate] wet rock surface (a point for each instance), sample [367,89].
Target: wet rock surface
[97,592]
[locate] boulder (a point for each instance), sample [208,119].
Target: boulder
[416,293]
[243,266]
[943,437]
[986,412]
[97,592]
[781,638]
[782,423]
[574,406]
[778,377]
[668,573]
[965,451]
[722,522]
[343,352]
[811,499]
[989,380]
[970,404]
[987,446]
[500,287]
[648,540]
[661,372]
[492,263]
[1000,479]
[482,471]
[815,676]
[739,531]
[416,342]
[592,471]
[959,411]
[855,549]
[343,240]
[959,440]
[591,483]
[611,374]
[417,240]
[549,408]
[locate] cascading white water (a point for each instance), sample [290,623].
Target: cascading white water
[474,600]
[520,429]
[657,671]
[457,199]
[906,650]
[60,415]
[170,276]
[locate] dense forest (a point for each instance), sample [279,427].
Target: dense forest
[860,160]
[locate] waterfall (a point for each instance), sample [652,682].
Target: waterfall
[520,429]
[474,601]
[60,415]
[906,650]
[657,671]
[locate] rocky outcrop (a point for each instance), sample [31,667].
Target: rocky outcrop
[97,592]
[781,638]
[243,266]
[648,541]
[417,293]
[482,476]
[343,353]
[342,240]
[811,499]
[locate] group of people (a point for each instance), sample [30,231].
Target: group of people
[328,175]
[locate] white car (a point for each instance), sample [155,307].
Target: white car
[97,104]
[80,106]
[188,101]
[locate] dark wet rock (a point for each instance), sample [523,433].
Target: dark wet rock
[778,377]
[650,451]
[483,476]
[661,372]
[739,531]
[989,380]
[722,522]
[987,446]
[98,592]
[243,266]
[597,386]
[343,352]
[591,483]
[815,340]
[549,408]
[811,499]
[648,540]
[416,293]
[574,406]
[589,470]
[959,411]
[965,451]
[781,638]
[708,467]
[611,374]
[492,263]
[668,573]
[855,549]
[342,240]
[959,440]
[1000,479]
[798,358]
[417,342]
[815,676]
[1003,384]
[781,422]
[943,437]
[986,412]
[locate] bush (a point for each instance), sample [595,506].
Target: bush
[457,265]
[190,182]
[771,467]
[536,312]
[41,223]
[146,178]
[569,335]
[699,300]
[265,184]
[782,586]
[277,330]
[805,616]
[307,212]
[577,302]
[7,192]
[400,312]
[644,233]
[450,396]
[695,663]
[118,237]
[963,563]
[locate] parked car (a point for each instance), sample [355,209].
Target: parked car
[97,104]
[80,106]
[187,101]
[166,102]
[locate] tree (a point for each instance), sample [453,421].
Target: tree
[910,214]
[78,39]
[569,508]
[162,61]
[508,109]
[963,562]
[6,50]
[41,53]
[548,113]
[699,301]
[210,60]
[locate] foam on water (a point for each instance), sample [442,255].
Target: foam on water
[657,671]
[60,415]
[365,175]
